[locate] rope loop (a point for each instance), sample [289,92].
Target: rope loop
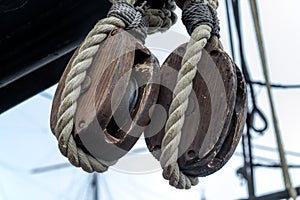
[213,3]
[71,92]
[200,19]
[124,15]
[160,20]
[133,17]
[200,13]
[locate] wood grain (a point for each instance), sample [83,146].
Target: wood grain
[215,82]
[235,132]
[114,66]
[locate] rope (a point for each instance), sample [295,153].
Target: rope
[277,86]
[160,20]
[71,92]
[121,15]
[285,170]
[200,24]
[133,18]
[213,3]
[206,16]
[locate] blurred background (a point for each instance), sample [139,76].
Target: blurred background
[31,166]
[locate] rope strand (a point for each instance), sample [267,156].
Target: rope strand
[72,89]
[200,24]
[124,15]
[160,20]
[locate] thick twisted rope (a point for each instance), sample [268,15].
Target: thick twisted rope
[200,20]
[134,18]
[160,20]
[73,85]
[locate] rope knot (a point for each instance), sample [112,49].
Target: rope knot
[133,17]
[160,20]
[213,3]
[202,12]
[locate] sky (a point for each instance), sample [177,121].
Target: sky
[27,143]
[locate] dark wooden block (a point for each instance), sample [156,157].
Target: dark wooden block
[209,117]
[119,81]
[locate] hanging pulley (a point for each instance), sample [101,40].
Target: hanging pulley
[215,116]
[115,98]
[116,90]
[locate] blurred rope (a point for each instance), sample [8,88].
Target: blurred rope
[285,171]
[201,21]
[255,111]
[277,86]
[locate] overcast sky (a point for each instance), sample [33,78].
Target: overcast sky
[27,143]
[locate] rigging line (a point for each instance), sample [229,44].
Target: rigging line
[274,165]
[270,149]
[250,163]
[94,185]
[239,154]
[89,188]
[255,110]
[249,172]
[229,29]
[278,86]
[235,5]
[285,171]
[258,158]
[50,168]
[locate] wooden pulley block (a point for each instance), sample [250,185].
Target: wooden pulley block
[233,136]
[116,97]
[215,116]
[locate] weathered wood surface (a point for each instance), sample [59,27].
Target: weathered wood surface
[233,136]
[235,131]
[104,125]
[208,119]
